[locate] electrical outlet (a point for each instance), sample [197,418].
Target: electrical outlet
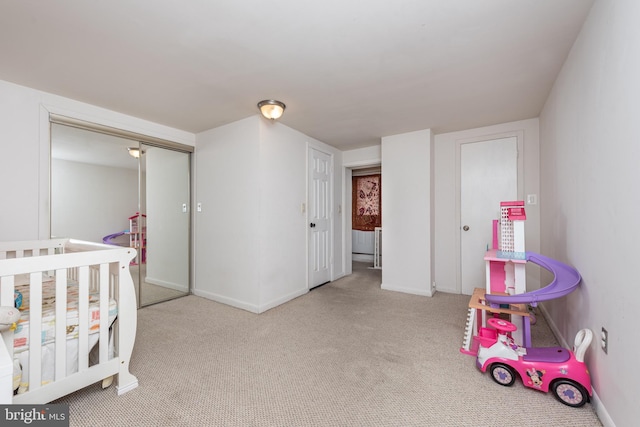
[604,340]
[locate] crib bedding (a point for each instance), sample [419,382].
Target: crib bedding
[21,334]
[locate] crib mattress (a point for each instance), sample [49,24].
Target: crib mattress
[21,334]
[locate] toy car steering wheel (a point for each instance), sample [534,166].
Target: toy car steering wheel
[502,325]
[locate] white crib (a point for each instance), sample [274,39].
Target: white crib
[100,279]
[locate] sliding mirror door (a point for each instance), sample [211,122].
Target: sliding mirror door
[118,191]
[164,208]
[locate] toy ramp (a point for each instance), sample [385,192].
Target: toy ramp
[565,280]
[109,239]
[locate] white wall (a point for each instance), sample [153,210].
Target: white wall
[406,207]
[251,236]
[589,131]
[284,226]
[363,243]
[113,193]
[227,248]
[19,163]
[447,193]
[362,156]
[24,153]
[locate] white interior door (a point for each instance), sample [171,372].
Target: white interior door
[488,176]
[319,217]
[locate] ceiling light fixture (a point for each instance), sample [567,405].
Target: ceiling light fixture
[271,109]
[134,152]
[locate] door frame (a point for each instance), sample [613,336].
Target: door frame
[331,216]
[519,135]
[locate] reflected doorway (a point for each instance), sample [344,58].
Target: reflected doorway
[123,192]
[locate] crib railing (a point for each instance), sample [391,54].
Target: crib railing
[94,271]
[31,248]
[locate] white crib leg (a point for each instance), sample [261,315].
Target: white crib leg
[126,381]
[125,331]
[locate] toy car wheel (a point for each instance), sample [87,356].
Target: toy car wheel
[570,393]
[503,374]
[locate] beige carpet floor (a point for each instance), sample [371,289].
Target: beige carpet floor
[345,354]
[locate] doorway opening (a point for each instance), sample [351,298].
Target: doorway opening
[363,248]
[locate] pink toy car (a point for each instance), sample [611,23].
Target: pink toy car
[542,368]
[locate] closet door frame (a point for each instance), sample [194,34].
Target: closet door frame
[50,116]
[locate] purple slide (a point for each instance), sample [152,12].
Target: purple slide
[566,279]
[109,239]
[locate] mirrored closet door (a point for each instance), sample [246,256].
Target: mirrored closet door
[119,191]
[163,224]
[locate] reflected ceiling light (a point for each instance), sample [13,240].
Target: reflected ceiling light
[134,152]
[271,109]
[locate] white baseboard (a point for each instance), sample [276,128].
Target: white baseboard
[601,411]
[164,284]
[276,302]
[257,309]
[599,407]
[228,301]
[425,293]
[362,258]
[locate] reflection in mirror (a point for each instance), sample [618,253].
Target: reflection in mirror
[165,209]
[98,187]
[94,184]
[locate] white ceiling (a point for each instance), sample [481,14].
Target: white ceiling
[350,71]
[83,146]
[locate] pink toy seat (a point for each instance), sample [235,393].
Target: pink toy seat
[547,354]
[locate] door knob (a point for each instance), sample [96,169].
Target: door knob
[312,225]
[465,228]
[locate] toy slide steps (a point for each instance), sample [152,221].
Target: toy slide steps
[468,331]
[566,279]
